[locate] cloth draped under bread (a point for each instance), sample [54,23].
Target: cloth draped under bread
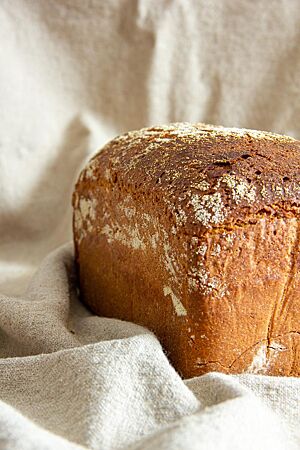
[74,74]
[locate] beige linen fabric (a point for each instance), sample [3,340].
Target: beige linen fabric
[73,74]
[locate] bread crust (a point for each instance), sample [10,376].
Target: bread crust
[193,231]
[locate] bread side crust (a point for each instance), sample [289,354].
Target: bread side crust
[227,300]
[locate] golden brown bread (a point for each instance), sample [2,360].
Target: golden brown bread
[193,231]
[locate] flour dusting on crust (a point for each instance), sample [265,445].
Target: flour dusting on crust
[84,215]
[209,209]
[186,129]
[264,356]
[178,306]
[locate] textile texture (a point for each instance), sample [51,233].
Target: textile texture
[74,74]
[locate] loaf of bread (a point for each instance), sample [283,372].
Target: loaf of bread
[193,231]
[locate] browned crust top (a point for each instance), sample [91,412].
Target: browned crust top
[205,176]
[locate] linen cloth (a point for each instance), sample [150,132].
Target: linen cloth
[73,74]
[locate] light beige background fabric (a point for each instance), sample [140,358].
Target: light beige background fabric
[73,74]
